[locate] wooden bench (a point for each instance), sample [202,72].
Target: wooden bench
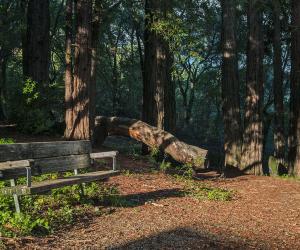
[34,159]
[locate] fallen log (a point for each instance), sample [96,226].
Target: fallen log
[151,136]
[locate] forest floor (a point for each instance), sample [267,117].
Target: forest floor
[263,214]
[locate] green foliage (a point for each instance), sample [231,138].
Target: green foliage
[6,141]
[165,166]
[210,193]
[43,214]
[200,191]
[31,115]
[277,168]
[273,166]
[30,91]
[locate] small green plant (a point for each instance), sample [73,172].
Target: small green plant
[209,193]
[154,156]
[154,152]
[2,245]
[165,166]
[6,141]
[30,91]
[127,173]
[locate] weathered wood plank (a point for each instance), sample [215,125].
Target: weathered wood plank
[104,154]
[45,186]
[15,164]
[24,151]
[50,165]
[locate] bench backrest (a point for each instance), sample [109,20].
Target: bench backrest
[48,157]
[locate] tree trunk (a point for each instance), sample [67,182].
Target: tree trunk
[158,91]
[68,74]
[230,87]
[253,133]
[151,136]
[82,72]
[170,101]
[279,139]
[37,43]
[23,9]
[294,151]
[94,61]
[3,65]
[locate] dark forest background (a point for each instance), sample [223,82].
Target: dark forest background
[196,36]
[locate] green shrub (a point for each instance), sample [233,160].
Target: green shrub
[6,141]
[43,214]
[32,111]
[209,193]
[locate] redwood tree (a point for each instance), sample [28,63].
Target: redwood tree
[230,86]
[253,131]
[36,51]
[94,50]
[79,127]
[158,91]
[294,153]
[279,139]
[68,72]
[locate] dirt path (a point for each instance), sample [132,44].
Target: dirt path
[265,214]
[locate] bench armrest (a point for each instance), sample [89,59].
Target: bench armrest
[27,164]
[104,154]
[110,154]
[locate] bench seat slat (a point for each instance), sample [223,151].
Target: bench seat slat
[41,187]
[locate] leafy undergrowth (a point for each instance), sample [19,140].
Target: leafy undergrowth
[43,214]
[185,175]
[203,192]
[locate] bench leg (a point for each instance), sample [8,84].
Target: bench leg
[114,163]
[80,185]
[16,199]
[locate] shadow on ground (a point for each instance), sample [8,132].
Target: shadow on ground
[139,199]
[187,238]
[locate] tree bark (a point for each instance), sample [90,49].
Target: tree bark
[82,72]
[94,61]
[159,90]
[279,138]
[294,147]
[3,65]
[253,132]
[230,87]
[37,43]
[68,73]
[151,136]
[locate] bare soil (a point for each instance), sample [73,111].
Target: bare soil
[264,214]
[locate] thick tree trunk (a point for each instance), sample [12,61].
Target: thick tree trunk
[37,43]
[158,91]
[294,151]
[23,9]
[68,72]
[151,136]
[3,65]
[279,138]
[230,87]
[94,61]
[170,101]
[82,72]
[253,133]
